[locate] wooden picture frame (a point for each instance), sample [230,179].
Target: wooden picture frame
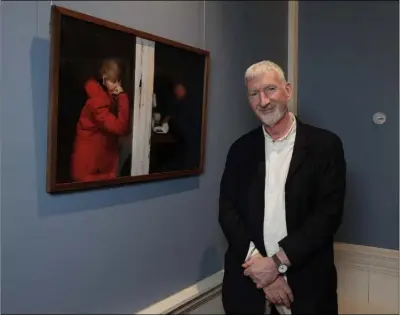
[126,106]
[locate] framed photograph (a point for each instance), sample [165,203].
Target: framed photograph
[125,106]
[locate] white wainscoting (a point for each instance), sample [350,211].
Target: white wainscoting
[368,279]
[368,283]
[199,291]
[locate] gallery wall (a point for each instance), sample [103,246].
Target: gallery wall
[348,70]
[119,250]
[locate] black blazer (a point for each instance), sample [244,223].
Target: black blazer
[314,196]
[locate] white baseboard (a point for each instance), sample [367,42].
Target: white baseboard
[368,279]
[368,283]
[185,296]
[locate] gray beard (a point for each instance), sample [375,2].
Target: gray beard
[275,117]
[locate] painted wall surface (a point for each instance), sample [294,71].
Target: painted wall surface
[348,70]
[119,250]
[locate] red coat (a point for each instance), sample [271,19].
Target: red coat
[95,154]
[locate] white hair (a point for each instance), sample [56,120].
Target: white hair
[262,67]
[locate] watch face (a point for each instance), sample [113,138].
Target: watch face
[282,268]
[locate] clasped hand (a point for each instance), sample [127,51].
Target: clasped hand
[263,272]
[279,292]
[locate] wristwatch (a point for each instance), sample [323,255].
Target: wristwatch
[282,268]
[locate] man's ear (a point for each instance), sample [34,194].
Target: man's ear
[289,90]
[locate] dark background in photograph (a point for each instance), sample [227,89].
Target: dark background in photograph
[83,46]
[181,151]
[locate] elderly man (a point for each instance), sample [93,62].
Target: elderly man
[281,202]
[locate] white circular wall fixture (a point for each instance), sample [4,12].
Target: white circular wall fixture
[379,118]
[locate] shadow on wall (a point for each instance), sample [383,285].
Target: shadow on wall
[353,200]
[213,256]
[86,200]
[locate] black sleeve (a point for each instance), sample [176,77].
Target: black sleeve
[320,227]
[230,221]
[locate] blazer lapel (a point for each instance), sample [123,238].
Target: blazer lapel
[300,150]
[256,190]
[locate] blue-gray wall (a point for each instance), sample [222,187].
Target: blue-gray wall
[348,70]
[119,250]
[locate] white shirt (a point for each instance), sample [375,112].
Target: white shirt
[278,155]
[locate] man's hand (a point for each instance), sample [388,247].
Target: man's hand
[251,260]
[263,271]
[279,292]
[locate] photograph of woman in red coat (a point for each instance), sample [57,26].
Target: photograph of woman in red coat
[104,118]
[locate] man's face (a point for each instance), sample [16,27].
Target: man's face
[268,96]
[179,91]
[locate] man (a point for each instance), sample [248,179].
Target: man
[281,202]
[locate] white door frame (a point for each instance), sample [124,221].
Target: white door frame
[143,106]
[293,36]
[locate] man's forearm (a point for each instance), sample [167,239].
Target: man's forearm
[282,257]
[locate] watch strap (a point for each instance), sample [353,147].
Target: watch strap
[276,260]
[279,264]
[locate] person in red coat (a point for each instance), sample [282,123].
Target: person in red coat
[103,119]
